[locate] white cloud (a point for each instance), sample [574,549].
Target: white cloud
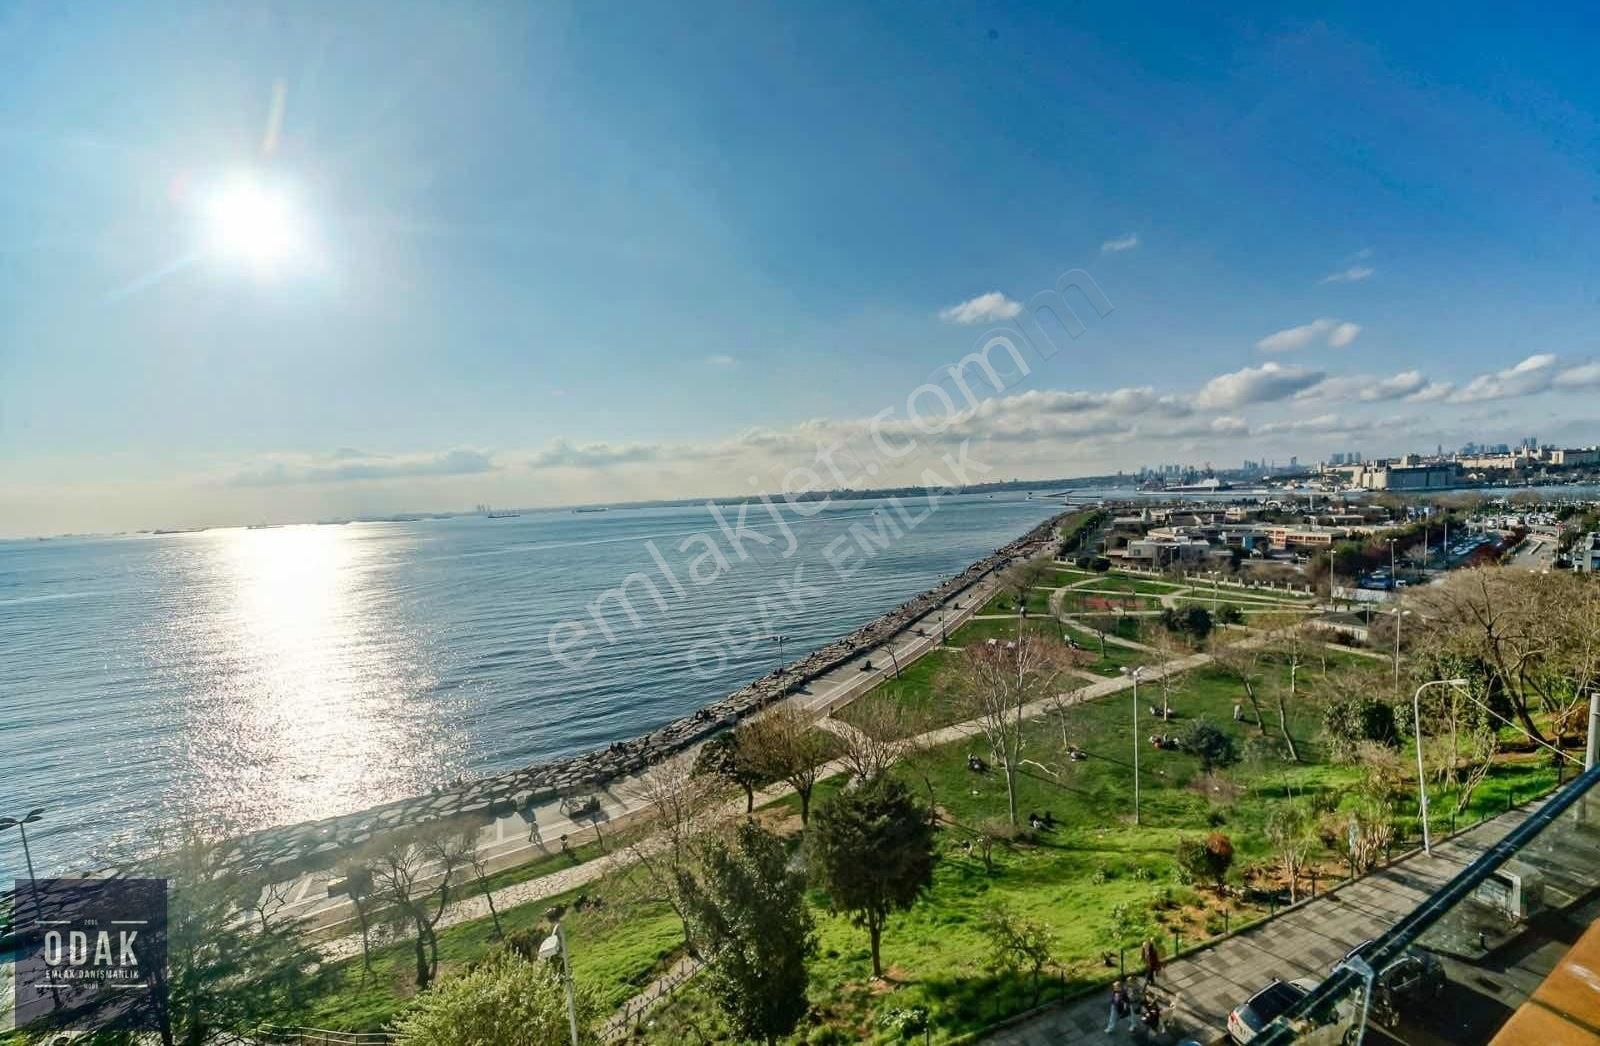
[985,308]
[1121,243]
[720,359]
[1532,375]
[1320,423]
[1354,274]
[1264,384]
[1366,388]
[1432,392]
[346,465]
[1332,332]
[563,453]
[1343,335]
[1583,376]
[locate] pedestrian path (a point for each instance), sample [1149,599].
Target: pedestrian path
[1305,941]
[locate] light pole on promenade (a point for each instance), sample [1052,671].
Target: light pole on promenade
[1134,675]
[21,825]
[555,946]
[779,637]
[1422,780]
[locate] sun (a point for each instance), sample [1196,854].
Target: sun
[251,221]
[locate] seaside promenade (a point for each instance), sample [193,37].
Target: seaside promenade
[537,830]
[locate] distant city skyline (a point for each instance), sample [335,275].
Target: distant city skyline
[296,263]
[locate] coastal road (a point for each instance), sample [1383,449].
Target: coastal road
[1537,552]
[531,833]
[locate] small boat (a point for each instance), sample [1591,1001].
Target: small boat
[590,508]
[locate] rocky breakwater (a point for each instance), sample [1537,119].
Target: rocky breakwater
[307,846]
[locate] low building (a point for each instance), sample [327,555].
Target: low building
[1586,553]
[1383,476]
[1579,456]
[1284,537]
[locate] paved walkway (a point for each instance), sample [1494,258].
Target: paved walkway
[531,833]
[1304,942]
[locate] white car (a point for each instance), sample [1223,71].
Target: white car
[1265,1006]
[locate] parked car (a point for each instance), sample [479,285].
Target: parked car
[1265,1006]
[580,805]
[1416,976]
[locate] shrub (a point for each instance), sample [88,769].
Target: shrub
[1215,747]
[1348,721]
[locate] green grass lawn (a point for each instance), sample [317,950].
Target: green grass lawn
[974,632]
[1006,603]
[1073,878]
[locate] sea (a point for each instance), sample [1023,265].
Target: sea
[243,678]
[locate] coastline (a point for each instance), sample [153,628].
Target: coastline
[301,847]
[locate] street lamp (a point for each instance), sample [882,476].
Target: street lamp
[20,824]
[1134,675]
[779,637]
[553,946]
[1422,780]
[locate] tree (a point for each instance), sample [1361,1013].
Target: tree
[1229,614]
[1208,858]
[224,972]
[1244,664]
[414,873]
[1289,830]
[1219,857]
[666,849]
[479,863]
[356,878]
[507,1000]
[1350,719]
[1215,747]
[881,734]
[785,745]
[724,758]
[750,915]
[1017,943]
[995,682]
[1019,580]
[872,851]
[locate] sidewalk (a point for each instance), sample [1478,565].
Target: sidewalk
[1304,942]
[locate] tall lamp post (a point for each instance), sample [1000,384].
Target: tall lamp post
[779,637]
[1134,675]
[21,825]
[1422,780]
[555,946]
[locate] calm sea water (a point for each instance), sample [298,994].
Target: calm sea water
[275,675]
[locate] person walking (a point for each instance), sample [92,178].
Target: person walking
[1151,953]
[1119,1006]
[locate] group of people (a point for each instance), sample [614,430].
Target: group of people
[1122,994]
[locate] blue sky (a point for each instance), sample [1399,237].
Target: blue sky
[558,253]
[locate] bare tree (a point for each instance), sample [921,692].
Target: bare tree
[268,899]
[479,862]
[785,744]
[414,872]
[1021,579]
[357,882]
[1289,830]
[679,807]
[996,682]
[880,736]
[1244,664]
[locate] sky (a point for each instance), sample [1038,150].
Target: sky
[262,262]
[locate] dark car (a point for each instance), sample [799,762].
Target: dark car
[1264,1007]
[1416,976]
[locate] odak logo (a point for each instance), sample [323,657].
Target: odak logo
[93,955]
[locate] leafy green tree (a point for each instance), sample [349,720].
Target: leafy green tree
[872,851]
[506,1000]
[755,931]
[727,758]
[225,972]
[1349,720]
[1214,746]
